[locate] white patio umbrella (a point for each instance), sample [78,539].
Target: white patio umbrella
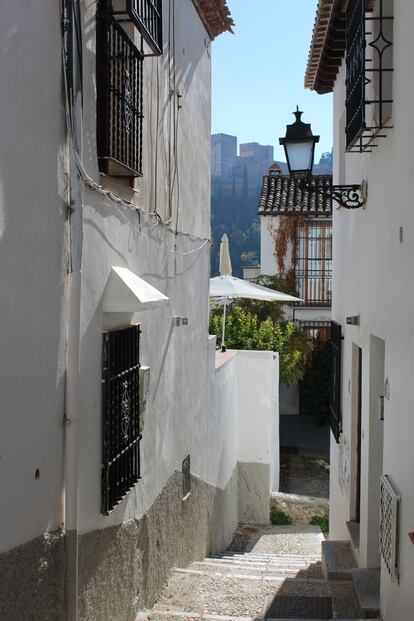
[225,269]
[225,261]
[230,287]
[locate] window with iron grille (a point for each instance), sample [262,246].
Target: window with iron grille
[335,396]
[119,100]
[318,331]
[369,67]
[146,15]
[120,415]
[313,270]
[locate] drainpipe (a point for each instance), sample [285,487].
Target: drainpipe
[72,69]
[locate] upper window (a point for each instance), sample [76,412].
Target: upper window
[369,62]
[313,270]
[119,74]
[119,100]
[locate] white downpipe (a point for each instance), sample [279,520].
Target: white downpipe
[223,334]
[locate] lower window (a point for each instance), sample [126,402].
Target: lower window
[120,415]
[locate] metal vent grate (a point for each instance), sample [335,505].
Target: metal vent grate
[389,527]
[120,415]
[285,607]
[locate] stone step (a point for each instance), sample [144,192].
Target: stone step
[273,559]
[338,560]
[277,562]
[162,615]
[194,616]
[250,576]
[255,555]
[367,589]
[280,540]
[231,595]
[309,571]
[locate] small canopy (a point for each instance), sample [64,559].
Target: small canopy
[126,292]
[232,287]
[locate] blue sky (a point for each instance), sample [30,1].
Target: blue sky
[258,74]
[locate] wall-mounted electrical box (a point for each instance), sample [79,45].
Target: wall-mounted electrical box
[144,383]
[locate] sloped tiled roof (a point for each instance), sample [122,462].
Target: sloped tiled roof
[328,44]
[215,15]
[283,195]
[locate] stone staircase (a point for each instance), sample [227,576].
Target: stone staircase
[269,572]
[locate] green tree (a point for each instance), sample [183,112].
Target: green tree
[245,330]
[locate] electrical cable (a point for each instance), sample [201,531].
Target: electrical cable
[89,182]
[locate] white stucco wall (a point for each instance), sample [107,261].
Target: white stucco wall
[258,410]
[32,271]
[177,414]
[245,427]
[35,255]
[372,275]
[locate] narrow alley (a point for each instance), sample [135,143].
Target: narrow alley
[269,572]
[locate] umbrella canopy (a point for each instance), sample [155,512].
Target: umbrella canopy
[232,287]
[225,261]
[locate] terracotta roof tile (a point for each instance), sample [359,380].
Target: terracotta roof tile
[283,195]
[328,44]
[215,15]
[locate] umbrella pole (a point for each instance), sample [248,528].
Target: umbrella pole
[223,345]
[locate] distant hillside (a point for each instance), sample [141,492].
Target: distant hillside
[234,205]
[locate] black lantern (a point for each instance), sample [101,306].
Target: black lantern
[299,144]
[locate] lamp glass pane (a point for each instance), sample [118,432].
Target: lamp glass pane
[300,155]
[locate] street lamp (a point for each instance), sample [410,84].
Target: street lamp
[299,144]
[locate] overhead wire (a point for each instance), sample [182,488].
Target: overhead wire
[89,182]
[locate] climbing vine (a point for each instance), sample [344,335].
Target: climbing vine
[284,235]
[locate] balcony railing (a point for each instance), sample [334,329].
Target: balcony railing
[119,105]
[315,288]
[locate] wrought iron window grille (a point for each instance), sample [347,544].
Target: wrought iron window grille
[369,67]
[120,415]
[389,526]
[313,268]
[145,15]
[335,417]
[119,100]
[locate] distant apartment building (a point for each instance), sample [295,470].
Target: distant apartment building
[223,155]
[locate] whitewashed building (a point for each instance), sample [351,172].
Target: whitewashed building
[361,51]
[296,243]
[115,462]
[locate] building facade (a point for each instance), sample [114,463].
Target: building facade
[372,498]
[296,243]
[223,155]
[106,444]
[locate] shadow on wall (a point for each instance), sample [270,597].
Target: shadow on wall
[302,433]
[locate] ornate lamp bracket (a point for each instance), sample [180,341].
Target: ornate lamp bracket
[348,196]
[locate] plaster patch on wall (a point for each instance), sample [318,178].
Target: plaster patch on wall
[343,463]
